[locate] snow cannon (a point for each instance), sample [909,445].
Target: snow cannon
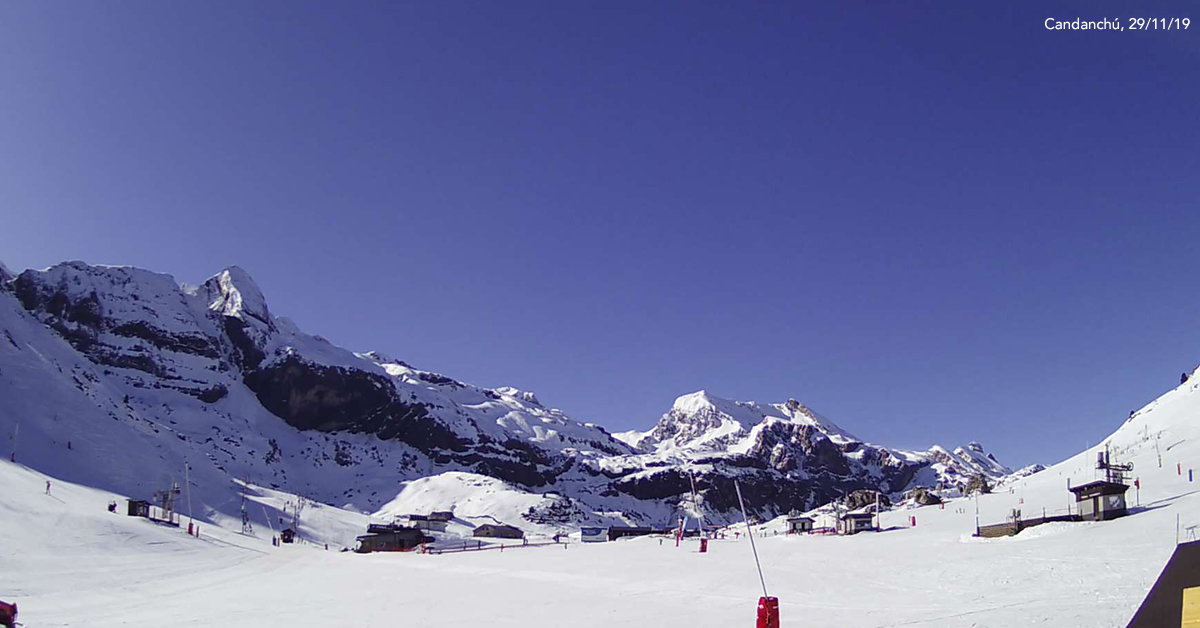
[8,615]
[768,613]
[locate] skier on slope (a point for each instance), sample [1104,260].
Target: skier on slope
[47,487]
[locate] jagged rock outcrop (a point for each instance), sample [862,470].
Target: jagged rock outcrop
[977,484]
[861,498]
[924,496]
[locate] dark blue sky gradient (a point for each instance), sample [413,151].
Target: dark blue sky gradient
[932,222]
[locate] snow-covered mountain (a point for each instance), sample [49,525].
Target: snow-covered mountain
[115,376]
[790,456]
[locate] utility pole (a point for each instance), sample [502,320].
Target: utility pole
[696,504]
[977,514]
[187,480]
[268,517]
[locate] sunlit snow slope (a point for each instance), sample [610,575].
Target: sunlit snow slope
[67,561]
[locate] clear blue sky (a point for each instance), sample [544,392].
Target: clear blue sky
[932,222]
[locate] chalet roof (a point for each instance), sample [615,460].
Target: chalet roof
[1102,487]
[498,526]
[397,531]
[388,528]
[858,515]
[799,518]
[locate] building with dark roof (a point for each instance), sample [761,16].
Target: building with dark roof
[855,522]
[498,531]
[799,524]
[1100,500]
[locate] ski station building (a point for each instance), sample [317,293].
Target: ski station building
[435,521]
[138,508]
[1100,500]
[799,524]
[855,522]
[390,538]
[498,531]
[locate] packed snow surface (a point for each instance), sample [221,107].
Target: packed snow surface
[68,561]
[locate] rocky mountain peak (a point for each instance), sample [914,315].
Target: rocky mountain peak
[523,395]
[232,292]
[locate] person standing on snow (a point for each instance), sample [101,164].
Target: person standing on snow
[47,487]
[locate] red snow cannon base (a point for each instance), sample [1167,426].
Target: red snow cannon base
[768,612]
[8,614]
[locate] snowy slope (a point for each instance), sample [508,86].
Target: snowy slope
[112,378]
[100,569]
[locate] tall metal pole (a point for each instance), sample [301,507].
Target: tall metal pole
[696,503]
[976,514]
[751,535]
[187,479]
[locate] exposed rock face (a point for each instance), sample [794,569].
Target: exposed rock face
[977,484]
[924,496]
[861,498]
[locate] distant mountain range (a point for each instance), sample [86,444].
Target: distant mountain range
[139,373]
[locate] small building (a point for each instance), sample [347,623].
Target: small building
[855,522]
[380,528]
[139,508]
[593,535]
[798,524]
[1100,500]
[442,515]
[288,535]
[429,522]
[616,532]
[395,539]
[498,531]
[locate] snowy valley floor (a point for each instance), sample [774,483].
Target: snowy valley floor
[69,562]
